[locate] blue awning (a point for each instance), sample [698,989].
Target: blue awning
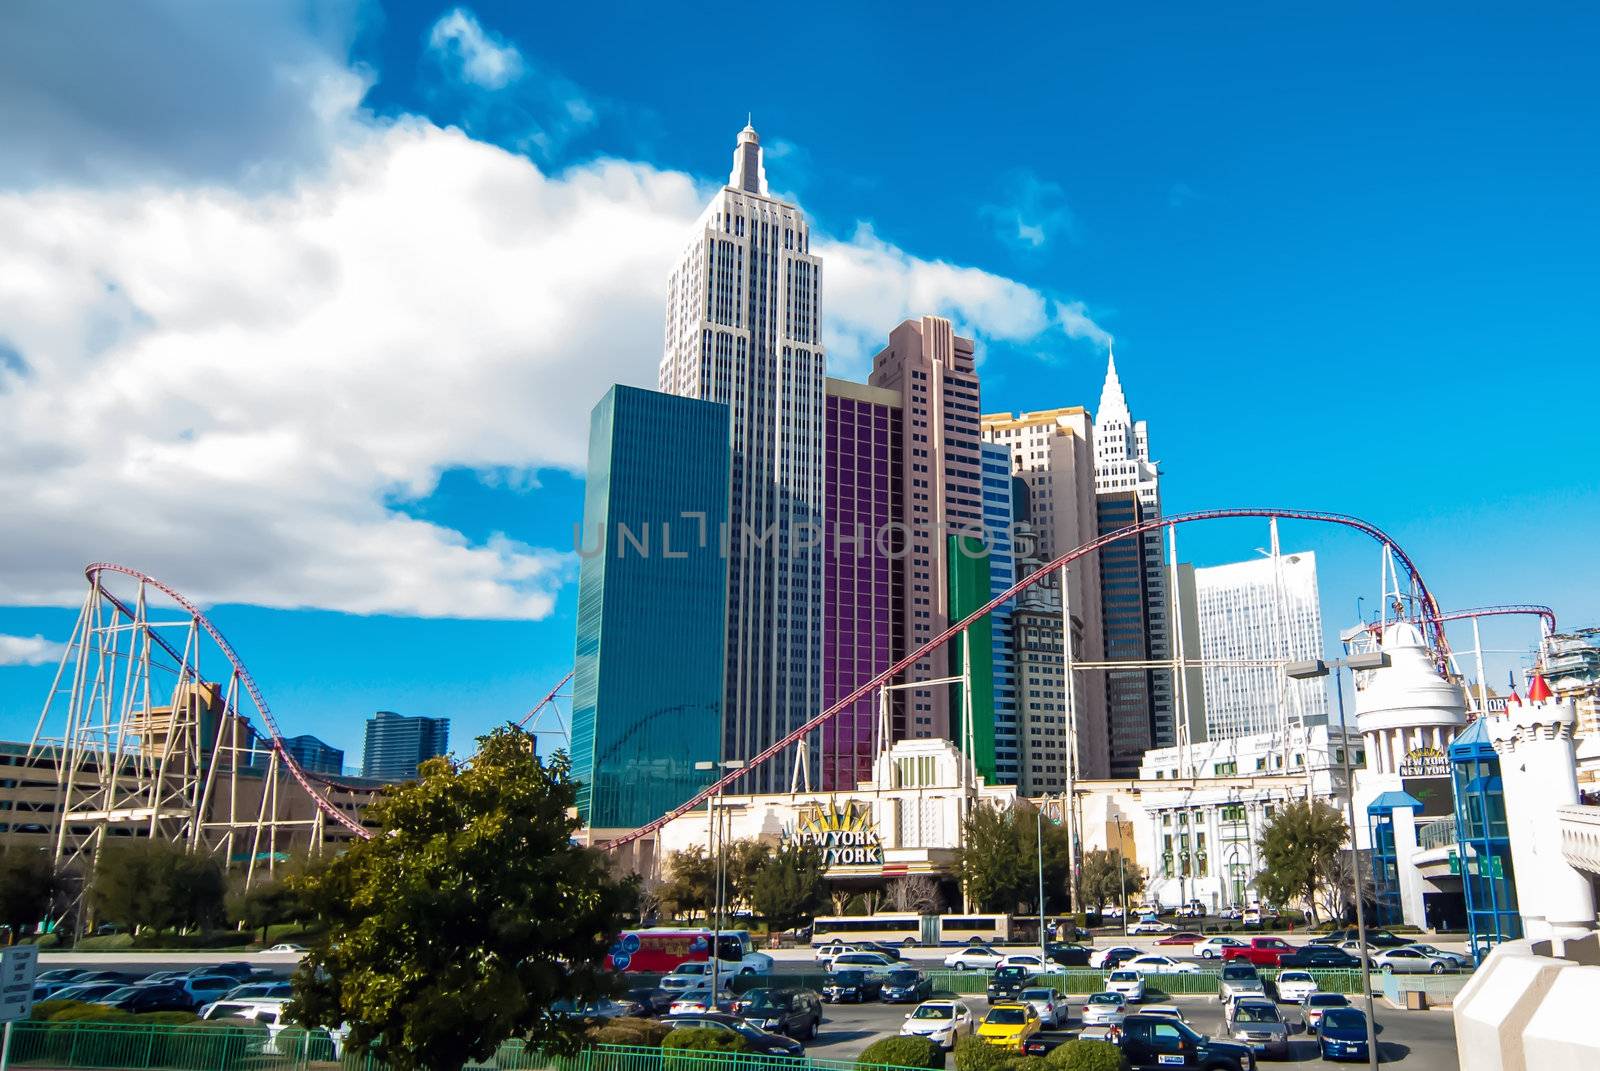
[1393,801]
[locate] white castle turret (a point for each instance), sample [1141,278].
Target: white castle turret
[1539,770]
[1407,712]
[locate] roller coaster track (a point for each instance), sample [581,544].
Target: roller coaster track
[1430,616]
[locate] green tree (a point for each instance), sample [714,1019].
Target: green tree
[156,885]
[465,917]
[999,859]
[789,888]
[272,900]
[690,884]
[28,887]
[1106,878]
[1300,847]
[742,860]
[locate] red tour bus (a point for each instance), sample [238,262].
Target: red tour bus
[659,950]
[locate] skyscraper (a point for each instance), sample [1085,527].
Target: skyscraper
[313,755]
[743,328]
[1129,484]
[864,630]
[998,520]
[933,371]
[1052,452]
[396,745]
[647,686]
[1263,610]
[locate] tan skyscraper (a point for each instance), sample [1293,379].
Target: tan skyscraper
[1052,451]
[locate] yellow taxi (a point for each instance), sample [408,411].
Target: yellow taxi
[1009,1024]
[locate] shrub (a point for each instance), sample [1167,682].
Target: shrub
[704,1039]
[78,1012]
[975,1054]
[1028,1063]
[48,1009]
[903,1052]
[1080,1055]
[167,1018]
[626,1030]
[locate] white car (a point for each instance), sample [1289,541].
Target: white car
[1295,986]
[1166,1011]
[1051,1006]
[1033,963]
[1150,927]
[1158,964]
[1214,947]
[861,961]
[943,1022]
[699,1000]
[828,949]
[1105,1009]
[1129,983]
[974,958]
[297,949]
[687,975]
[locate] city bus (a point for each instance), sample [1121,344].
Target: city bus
[659,949]
[910,929]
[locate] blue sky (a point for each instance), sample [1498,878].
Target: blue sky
[308,326]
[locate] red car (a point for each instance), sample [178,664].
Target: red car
[1261,951]
[1182,937]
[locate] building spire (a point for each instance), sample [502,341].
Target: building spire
[749,173]
[1113,403]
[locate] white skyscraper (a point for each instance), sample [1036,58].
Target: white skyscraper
[1264,610]
[744,328]
[1122,448]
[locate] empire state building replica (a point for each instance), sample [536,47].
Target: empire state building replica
[743,327]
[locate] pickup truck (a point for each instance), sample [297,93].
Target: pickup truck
[1261,951]
[1158,1043]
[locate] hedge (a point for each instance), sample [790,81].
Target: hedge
[704,1039]
[903,1052]
[1081,1055]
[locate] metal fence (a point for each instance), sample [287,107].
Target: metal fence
[1075,982]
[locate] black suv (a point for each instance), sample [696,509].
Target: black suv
[149,998]
[1156,1042]
[852,986]
[1007,982]
[795,1012]
[1375,938]
[906,986]
[1068,955]
[1321,957]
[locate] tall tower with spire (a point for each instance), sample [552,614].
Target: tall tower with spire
[743,328]
[1140,703]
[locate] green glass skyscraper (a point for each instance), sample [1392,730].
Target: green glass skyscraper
[652,602]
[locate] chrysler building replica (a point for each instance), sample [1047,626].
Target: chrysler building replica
[743,328]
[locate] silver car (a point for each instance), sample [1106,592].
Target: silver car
[1105,1009]
[1256,1023]
[1051,1006]
[1410,960]
[1239,980]
[1456,960]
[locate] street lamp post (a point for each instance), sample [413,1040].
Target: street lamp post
[717,870]
[1307,671]
[1038,817]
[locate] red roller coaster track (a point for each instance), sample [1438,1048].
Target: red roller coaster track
[1430,617]
[327,807]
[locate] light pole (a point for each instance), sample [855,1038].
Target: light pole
[1038,821]
[1318,668]
[1122,878]
[717,870]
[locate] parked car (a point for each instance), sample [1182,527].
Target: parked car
[59,974]
[1107,958]
[1149,924]
[1295,986]
[283,946]
[1156,1041]
[755,1039]
[1316,1005]
[88,992]
[886,949]
[1182,937]
[1261,951]
[1239,980]
[1008,1024]
[1256,1023]
[1379,938]
[943,1022]
[1322,958]
[1357,951]
[795,1012]
[1032,961]
[1151,963]
[1457,960]
[686,975]
[1342,1034]
[204,988]
[1068,955]
[852,986]
[149,998]
[1104,1009]
[974,958]
[1169,1011]
[119,977]
[1129,983]
[701,999]
[653,1000]
[599,1009]
[1007,982]
[1410,960]
[1213,947]
[905,986]
[866,961]
[234,969]
[257,990]
[1050,1005]
[825,952]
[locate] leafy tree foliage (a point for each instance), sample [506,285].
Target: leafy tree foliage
[789,887]
[157,885]
[273,900]
[742,860]
[466,917]
[1100,882]
[28,886]
[999,859]
[690,885]
[1300,848]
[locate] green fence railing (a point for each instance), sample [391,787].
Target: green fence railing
[1077,982]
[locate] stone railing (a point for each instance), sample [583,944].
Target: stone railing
[1580,836]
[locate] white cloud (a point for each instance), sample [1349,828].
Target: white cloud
[231,385]
[485,59]
[29,651]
